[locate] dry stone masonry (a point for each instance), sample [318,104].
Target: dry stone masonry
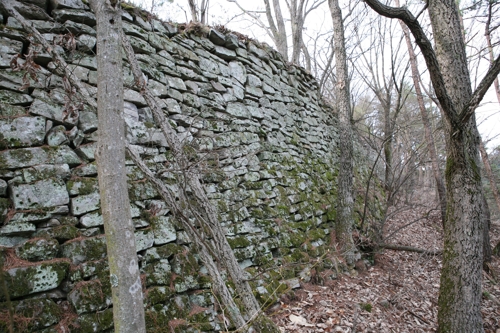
[270,147]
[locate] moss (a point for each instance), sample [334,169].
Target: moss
[366,307]
[94,322]
[316,234]
[238,242]
[83,185]
[29,315]
[297,239]
[4,206]
[24,156]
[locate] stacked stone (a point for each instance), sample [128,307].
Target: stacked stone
[269,138]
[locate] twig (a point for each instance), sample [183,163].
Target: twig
[409,249]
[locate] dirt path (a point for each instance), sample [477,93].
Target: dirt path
[399,294]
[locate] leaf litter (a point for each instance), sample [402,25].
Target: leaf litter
[397,294]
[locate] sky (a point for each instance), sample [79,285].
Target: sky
[227,13]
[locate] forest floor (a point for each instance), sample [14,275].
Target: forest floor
[398,294]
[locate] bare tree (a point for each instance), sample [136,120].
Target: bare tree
[460,288]
[199,11]
[276,27]
[345,197]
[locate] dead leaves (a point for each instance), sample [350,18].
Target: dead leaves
[399,294]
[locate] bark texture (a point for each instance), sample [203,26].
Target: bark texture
[128,308]
[345,197]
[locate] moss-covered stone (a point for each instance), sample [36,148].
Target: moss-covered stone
[29,315]
[61,233]
[89,296]
[38,249]
[85,249]
[93,322]
[22,281]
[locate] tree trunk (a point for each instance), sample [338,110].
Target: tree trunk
[427,124]
[460,289]
[278,30]
[345,200]
[126,287]
[193,10]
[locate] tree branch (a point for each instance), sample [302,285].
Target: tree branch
[409,249]
[427,51]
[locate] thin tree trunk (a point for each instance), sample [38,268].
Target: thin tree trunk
[193,10]
[427,124]
[345,197]
[278,30]
[489,173]
[126,286]
[484,155]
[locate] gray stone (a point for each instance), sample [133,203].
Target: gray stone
[17,228]
[164,231]
[50,110]
[238,110]
[45,171]
[57,136]
[216,37]
[238,71]
[76,15]
[86,43]
[89,297]
[87,152]
[139,133]
[12,241]
[85,203]
[140,45]
[224,53]
[24,281]
[144,24]
[134,97]
[3,188]
[11,97]
[87,62]
[22,132]
[158,89]
[87,121]
[177,83]
[78,28]
[8,49]
[82,250]
[25,157]
[38,249]
[72,4]
[232,42]
[91,220]
[144,239]
[43,193]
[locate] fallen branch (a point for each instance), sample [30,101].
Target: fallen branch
[409,249]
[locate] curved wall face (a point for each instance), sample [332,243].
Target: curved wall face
[270,153]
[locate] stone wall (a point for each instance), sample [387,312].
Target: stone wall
[270,144]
